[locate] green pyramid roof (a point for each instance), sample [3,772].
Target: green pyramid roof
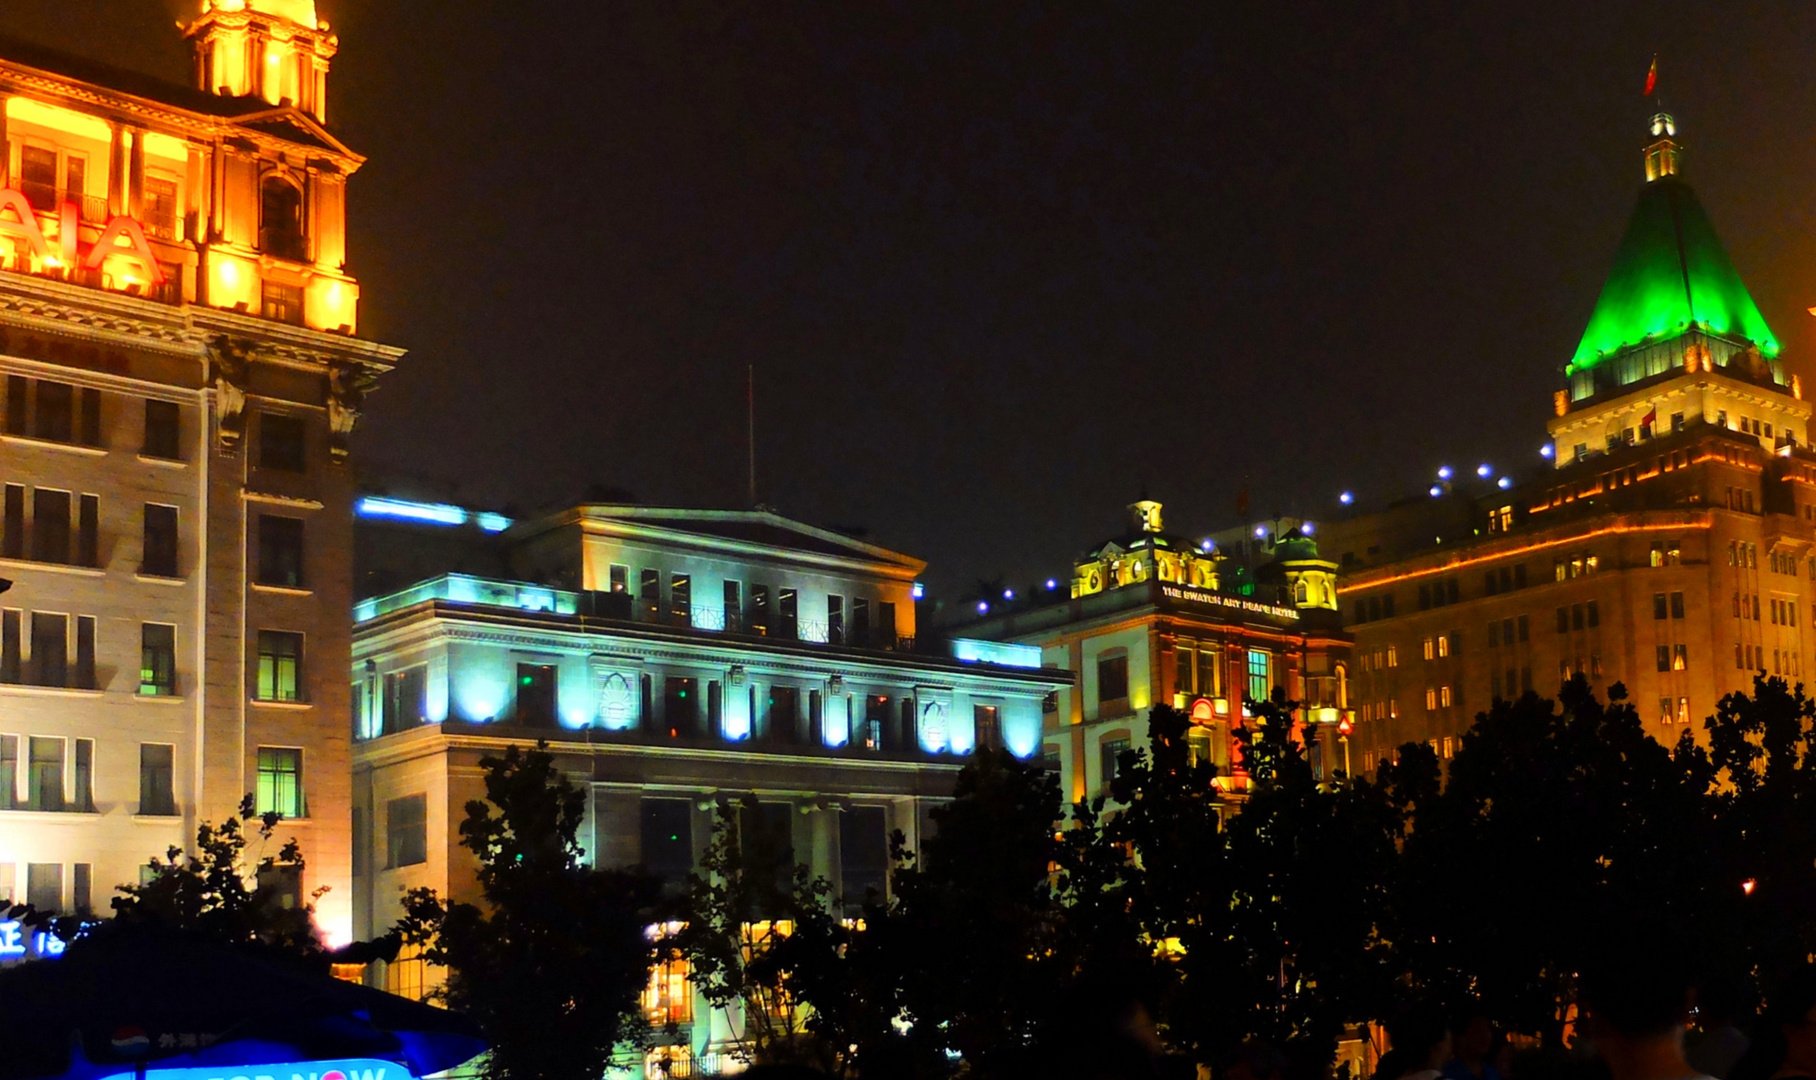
[1671,270]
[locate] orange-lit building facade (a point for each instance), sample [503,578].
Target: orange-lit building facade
[1154,618]
[1666,545]
[180,373]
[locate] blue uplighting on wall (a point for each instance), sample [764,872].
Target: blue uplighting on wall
[373,506]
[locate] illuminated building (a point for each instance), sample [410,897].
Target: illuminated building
[180,375]
[1154,617]
[1666,548]
[674,660]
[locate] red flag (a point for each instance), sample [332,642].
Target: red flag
[1650,418]
[1652,77]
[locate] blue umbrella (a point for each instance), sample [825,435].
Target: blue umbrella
[119,1002]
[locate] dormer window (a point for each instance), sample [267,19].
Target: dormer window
[281,219]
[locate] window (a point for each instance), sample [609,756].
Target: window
[159,555]
[876,717]
[85,776]
[860,621]
[404,692]
[1260,682]
[1664,658]
[11,670]
[835,620]
[783,722]
[88,531]
[50,649]
[536,693]
[282,443]
[987,722]
[621,578]
[1112,679]
[734,606]
[1429,646]
[82,884]
[90,417]
[44,776]
[885,625]
[1444,697]
[1680,659]
[788,614]
[280,551]
[681,706]
[50,526]
[1108,764]
[12,524]
[1210,672]
[280,784]
[1660,606]
[9,772]
[668,1000]
[1593,610]
[668,844]
[863,855]
[38,182]
[159,207]
[681,599]
[157,660]
[281,219]
[83,677]
[406,831]
[44,886]
[17,407]
[280,672]
[759,609]
[54,417]
[157,779]
[1523,625]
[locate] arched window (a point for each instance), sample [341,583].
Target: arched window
[281,219]
[1299,592]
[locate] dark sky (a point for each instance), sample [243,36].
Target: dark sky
[1000,265]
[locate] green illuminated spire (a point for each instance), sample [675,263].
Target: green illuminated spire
[1670,272]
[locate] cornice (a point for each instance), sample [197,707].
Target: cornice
[58,307]
[17,78]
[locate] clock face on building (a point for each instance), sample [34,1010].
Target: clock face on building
[1091,580]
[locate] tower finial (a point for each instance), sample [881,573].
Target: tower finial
[1662,154]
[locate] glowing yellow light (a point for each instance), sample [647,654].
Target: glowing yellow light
[229,274]
[1747,886]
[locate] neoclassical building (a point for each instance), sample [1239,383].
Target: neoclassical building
[1154,617]
[674,661]
[1667,548]
[180,371]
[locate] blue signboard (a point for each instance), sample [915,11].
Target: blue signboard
[341,1069]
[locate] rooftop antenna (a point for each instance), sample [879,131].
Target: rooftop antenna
[750,408]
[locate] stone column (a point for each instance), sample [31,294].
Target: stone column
[6,146]
[135,177]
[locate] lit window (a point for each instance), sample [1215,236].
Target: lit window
[280,666]
[669,997]
[280,785]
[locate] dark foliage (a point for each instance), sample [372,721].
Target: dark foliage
[552,968]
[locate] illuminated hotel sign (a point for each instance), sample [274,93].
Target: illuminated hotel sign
[347,1069]
[123,236]
[1215,599]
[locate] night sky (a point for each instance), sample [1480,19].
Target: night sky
[1000,266]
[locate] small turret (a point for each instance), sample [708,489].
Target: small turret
[274,49]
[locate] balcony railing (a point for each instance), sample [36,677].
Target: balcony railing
[624,607]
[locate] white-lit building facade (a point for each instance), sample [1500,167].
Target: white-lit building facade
[673,660]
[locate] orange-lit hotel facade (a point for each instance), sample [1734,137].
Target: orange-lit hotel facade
[1669,545]
[180,375]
